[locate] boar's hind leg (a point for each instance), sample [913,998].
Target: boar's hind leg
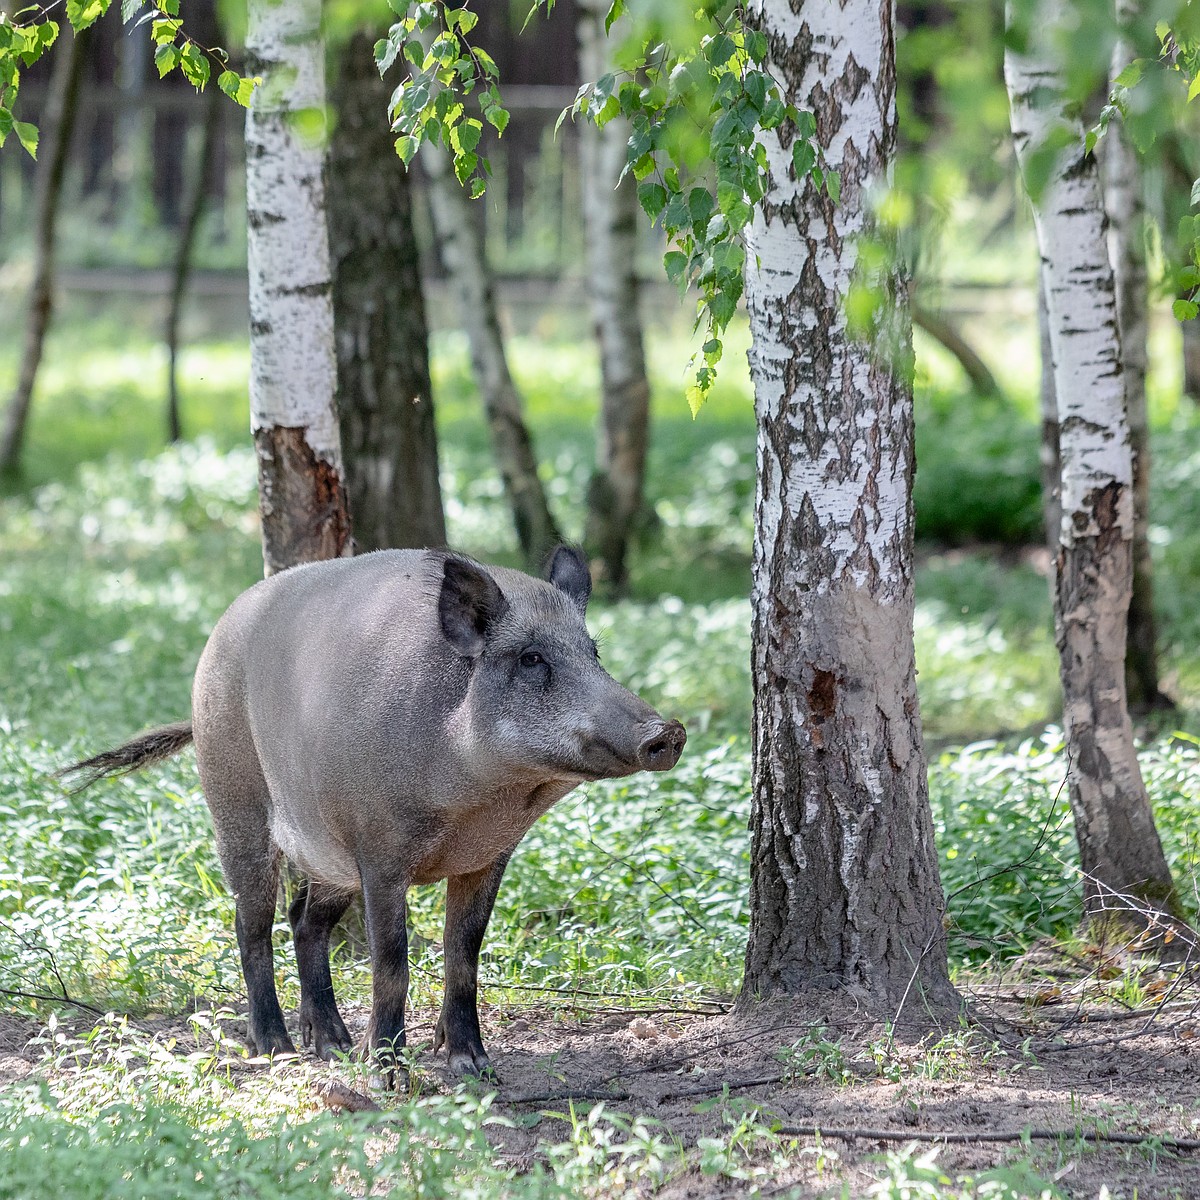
[469,901]
[253,874]
[315,910]
[387,936]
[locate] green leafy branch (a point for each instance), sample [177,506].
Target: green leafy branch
[175,48]
[1178,57]
[28,33]
[696,115]
[444,70]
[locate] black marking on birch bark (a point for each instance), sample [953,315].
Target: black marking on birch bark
[259,218]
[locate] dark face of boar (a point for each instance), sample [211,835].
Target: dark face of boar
[539,704]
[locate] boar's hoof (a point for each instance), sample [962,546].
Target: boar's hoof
[473,1063]
[269,1045]
[465,1059]
[325,1032]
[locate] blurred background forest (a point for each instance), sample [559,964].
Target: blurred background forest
[119,549]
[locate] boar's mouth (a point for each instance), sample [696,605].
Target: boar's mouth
[658,749]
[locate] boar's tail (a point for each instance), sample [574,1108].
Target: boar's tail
[150,747]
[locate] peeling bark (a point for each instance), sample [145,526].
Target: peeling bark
[1119,848]
[844,890]
[611,212]
[305,515]
[466,263]
[385,398]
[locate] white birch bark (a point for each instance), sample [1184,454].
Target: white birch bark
[1120,852]
[844,886]
[292,363]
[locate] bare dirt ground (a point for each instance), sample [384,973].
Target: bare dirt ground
[1036,1058]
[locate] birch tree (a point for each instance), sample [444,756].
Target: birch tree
[462,249]
[844,887]
[611,223]
[293,379]
[1120,852]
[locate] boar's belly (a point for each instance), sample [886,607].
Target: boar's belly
[317,855]
[473,838]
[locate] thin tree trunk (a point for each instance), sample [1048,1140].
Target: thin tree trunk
[184,248]
[1126,246]
[1051,457]
[943,332]
[54,147]
[302,495]
[1119,848]
[385,398]
[1190,333]
[463,254]
[844,887]
[610,214]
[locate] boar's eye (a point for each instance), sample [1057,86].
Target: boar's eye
[531,658]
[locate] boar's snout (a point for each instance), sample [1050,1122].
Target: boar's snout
[662,746]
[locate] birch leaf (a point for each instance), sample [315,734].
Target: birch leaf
[27,135]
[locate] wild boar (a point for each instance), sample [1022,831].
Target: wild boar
[384,721]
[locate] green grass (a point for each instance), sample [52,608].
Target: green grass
[116,557]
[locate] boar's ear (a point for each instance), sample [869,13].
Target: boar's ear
[470,603]
[568,571]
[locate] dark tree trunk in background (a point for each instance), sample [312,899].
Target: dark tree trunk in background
[385,399]
[55,143]
[466,263]
[611,223]
[1119,849]
[844,891]
[1190,332]
[184,248]
[1127,251]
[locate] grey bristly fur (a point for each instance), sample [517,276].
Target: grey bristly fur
[150,747]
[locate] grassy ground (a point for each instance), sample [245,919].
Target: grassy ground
[117,556]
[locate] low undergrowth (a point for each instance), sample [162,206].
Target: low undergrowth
[630,894]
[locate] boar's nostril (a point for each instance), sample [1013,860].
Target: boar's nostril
[661,750]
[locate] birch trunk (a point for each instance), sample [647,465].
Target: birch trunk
[302,494]
[1119,849]
[844,888]
[1051,458]
[385,398]
[57,128]
[611,222]
[466,263]
[1126,249]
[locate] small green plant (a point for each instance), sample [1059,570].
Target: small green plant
[814,1054]
[748,1148]
[912,1175]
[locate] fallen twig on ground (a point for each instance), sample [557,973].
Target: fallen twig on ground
[960,1136]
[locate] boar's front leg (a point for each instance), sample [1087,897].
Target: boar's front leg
[387,937]
[469,901]
[315,910]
